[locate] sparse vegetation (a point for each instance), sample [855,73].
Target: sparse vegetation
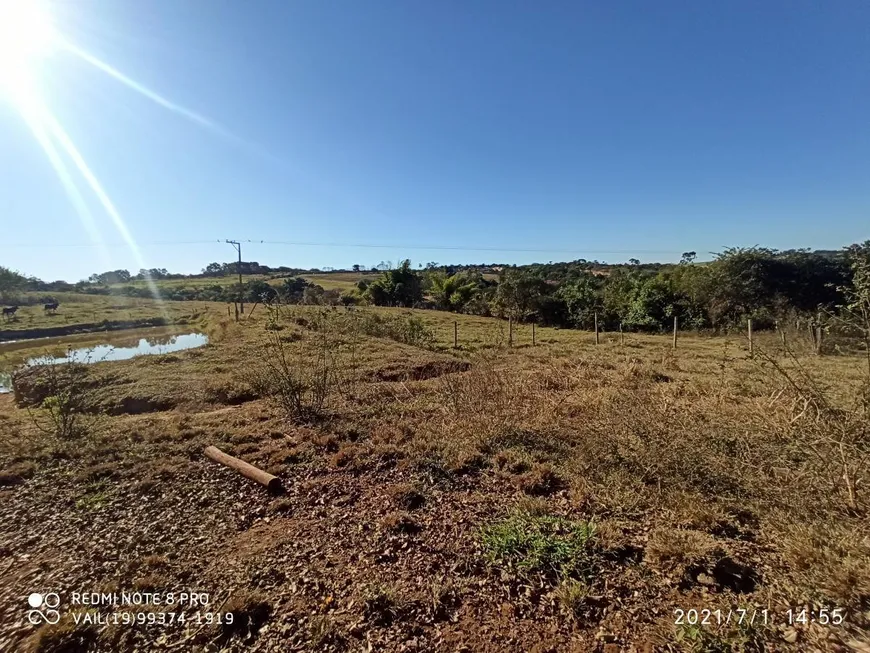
[521,492]
[547,544]
[63,389]
[302,387]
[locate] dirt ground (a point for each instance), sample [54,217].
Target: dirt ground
[556,497]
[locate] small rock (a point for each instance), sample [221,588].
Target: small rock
[704,579]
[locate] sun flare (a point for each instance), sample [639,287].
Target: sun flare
[27,34]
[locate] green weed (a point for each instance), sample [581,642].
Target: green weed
[540,543]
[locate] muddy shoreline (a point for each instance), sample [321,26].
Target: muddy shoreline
[73,329]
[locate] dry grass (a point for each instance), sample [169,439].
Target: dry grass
[696,472]
[76,309]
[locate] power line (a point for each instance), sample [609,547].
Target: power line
[455,248]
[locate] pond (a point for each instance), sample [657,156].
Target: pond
[162,344]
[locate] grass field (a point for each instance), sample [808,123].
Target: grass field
[561,496]
[328,280]
[340,280]
[201,282]
[77,308]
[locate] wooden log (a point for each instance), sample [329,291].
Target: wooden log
[245,469]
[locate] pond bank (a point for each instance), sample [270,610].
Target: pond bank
[12,335]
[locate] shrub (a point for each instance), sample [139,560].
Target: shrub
[64,389]
[300,386]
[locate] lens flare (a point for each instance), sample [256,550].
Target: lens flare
[26,34]
[69,185]
[72,151]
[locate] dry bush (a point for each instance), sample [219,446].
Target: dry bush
[303,380]
[832,562]
[825,446]
[64,636]
[443,597]
[486,402]
[62,393]
[540,480]
[572,597]
[250,611]
[670,550]
[407,496]
[17,474]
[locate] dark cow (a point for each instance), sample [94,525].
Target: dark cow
[9,311]
[51,306]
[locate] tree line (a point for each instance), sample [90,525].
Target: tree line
[763,284]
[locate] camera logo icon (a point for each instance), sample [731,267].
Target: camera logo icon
[44,608]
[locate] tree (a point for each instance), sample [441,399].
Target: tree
[582,298]
[745,282]
[11,282]
[356,267]
[111,277]
[313,294]
[688,258]
[519,294]
[399,287]
[453,292]
[856,309]
[259,291]
[293,289]
[213,270]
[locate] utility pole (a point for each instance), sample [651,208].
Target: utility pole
[238,247]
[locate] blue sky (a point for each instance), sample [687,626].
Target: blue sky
[602,130]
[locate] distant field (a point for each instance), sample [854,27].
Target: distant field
[328,280]
[80,309]
[199,282]
[339,280]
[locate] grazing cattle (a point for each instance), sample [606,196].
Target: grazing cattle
[9,311]
[52,306]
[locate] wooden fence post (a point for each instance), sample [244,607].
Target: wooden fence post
[819,334]
[596,327]
[749,330]
[533,335]
[675,331]
[455,335]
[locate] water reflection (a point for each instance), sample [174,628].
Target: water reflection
[153,345]
[162,344]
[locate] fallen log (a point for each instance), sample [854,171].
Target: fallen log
[245,469]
